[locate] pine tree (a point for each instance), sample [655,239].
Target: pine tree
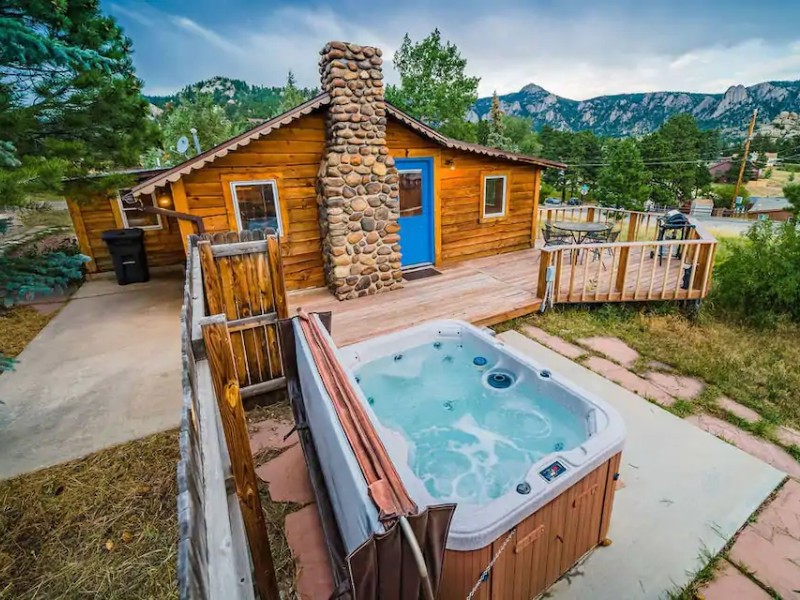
[291,96]
[497,137]
[70,101]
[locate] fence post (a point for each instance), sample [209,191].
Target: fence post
[633,224]
[622,270]
[590,214]
[276,273]
[702,273]
[546,258]
[226,387]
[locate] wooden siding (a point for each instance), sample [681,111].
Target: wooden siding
[461,230]
[543,547]
[291,156]
[91,218]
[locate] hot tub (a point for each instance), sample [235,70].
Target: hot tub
[530,459]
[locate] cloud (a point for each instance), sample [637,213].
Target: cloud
[206,34]
[627,46]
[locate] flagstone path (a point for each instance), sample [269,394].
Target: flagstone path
[765,556]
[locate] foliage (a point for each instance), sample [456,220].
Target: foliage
[497,137]
[212,125]
[460,130]
[760,281]
[623,180]
[722,194]
[23,277]
[291,96]
[69,98]
[434,87]
[792,193]
[520,131]
[583,150]
[676,155]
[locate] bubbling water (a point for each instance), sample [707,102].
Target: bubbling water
[467,442]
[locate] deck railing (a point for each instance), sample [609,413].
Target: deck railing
[632,225]
[232,300]
[629,270]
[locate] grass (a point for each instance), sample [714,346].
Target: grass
[46,218]
[755,367]
[18,326]
[102,526]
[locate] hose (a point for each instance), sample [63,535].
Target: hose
[418,558]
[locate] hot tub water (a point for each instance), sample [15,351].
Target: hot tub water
[473,429]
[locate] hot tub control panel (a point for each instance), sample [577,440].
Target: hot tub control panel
[553,471]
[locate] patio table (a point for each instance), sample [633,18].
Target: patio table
[581,230]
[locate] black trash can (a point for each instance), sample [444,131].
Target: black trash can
[126,247]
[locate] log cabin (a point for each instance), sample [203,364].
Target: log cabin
[358,191]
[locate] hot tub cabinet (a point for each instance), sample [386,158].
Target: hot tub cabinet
[543,546]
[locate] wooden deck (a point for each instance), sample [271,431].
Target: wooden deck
[489,290]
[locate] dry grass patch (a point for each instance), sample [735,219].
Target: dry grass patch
[18,326]
[103,526]
[756,367]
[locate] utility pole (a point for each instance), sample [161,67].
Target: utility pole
[744,158]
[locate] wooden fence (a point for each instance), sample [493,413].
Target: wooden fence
[233,299]
[629,270]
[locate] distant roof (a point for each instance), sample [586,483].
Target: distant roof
[196,162]
[764,204]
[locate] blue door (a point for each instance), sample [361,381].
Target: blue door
[416,210]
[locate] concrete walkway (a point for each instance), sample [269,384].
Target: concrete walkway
[105,370]
[686,493]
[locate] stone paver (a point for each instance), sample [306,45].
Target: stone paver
[553,342]
[613,348]
[741,411]
[731,584]
[287,477]
[767,451]
[770,547]
[678,386]
[629,380]
[304,535]
[269,434]
[788,436]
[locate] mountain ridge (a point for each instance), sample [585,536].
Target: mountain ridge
[639,113]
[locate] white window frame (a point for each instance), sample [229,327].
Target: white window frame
[235,199]
[124,216]
[502,213]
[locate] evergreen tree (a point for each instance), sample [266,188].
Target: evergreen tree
[69,98]
[497,137]
[434,86]
[623,180]
[482,132]
[291,95]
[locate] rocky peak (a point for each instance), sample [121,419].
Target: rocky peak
[532,88]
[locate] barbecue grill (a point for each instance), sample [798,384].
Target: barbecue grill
[672,225]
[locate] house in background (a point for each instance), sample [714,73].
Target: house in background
[357,189]
[771,158]
[774,209]
[720,171]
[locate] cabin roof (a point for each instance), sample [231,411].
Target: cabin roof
[197,162]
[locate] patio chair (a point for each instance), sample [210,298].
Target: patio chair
[555,238]
[604,237]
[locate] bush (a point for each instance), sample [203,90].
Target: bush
[23,277]
[759,282]
[722,194]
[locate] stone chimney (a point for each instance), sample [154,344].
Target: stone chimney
[357,185]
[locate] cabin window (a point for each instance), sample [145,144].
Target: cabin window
[256,205]
[410,193]
[494,195]
[133,216]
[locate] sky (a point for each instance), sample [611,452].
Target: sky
[576,49]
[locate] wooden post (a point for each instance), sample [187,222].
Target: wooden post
[181,203]
[545,260]
[744,158]
[703,266]
[633,224]
[537,180]
[211,279]
[590,214]
[234,424]
[622,270]
[276,273]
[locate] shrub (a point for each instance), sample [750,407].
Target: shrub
[759,281]
[23,277]
[722,194]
